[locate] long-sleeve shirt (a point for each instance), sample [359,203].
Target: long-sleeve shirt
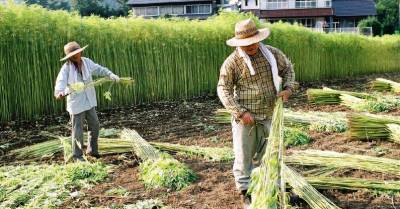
[78,102]
[240,92]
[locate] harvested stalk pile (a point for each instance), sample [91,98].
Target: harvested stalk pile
[381,84]
[214,154]
[394,130]
[353,184]
[368,126]
[337,160]
[158,169]
[361,102]
[315,121]
[380,104]
[40,150]
[105,145]
[116,146]
[307,192]
[331,96]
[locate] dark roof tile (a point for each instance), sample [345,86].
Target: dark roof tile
[354,7]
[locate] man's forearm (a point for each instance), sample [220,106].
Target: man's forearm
[229,102]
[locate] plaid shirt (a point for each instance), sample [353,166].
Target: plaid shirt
[240,92]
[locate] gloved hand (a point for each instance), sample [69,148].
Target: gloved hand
[114,77]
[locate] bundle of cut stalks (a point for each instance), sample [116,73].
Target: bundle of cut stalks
[380,104]
[307,192]
[264,187]
[381,84]
[214,154]
[331,96]
[117,146]
[40,150]
[158,169]
[79,86]
[105,145]
[315,121]
[353,184]
[140,146]
[368,126]
[337,160]
[394,130]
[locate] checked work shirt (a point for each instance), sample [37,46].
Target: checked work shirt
[240,92]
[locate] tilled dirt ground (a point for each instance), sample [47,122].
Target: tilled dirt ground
[191,123]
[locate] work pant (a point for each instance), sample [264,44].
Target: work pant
[249,144]
[77,132]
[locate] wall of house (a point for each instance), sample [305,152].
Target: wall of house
[189,10]
[284,4]
[251,4]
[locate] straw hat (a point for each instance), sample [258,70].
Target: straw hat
[71,49]
[246,33]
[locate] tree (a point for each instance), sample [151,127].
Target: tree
[97,7]
[388,15]
[371,22]
[50,4]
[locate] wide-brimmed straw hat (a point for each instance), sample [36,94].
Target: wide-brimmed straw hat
[246,33]
[71,49]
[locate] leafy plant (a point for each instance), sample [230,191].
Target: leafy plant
[46,186]
[158,169]
[166,172]
[295,137]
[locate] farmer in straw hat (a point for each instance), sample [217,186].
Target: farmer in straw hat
[80,105]
[250,81]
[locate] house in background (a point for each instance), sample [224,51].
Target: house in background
[320,14]
[193,9]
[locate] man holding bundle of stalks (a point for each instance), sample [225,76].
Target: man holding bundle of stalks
[81,100]
[249,83]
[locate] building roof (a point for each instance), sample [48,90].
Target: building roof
[354,7]
[152,2]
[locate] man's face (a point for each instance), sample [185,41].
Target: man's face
[251,49]
[76,57]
